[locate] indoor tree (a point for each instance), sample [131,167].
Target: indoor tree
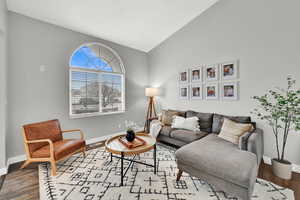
[280,108]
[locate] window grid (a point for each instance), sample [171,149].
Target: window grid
[95,91]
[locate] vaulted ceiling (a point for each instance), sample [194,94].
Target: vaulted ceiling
[139,24]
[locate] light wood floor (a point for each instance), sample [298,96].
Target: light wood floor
[24,184]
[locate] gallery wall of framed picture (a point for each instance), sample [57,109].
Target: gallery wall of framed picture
[210,82]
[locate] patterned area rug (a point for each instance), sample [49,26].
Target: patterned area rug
[96,178]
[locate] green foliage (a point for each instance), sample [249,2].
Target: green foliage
[281,110]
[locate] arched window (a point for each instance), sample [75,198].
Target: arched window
[96,81]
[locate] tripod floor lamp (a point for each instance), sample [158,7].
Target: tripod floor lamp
[151,112]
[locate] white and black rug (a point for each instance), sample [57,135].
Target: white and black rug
[96,178]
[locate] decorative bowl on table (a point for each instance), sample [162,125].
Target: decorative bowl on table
[130,135]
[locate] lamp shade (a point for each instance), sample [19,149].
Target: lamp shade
[151,92]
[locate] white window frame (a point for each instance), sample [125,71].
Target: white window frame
[79,69]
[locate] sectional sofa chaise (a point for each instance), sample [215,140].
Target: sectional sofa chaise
[229,167]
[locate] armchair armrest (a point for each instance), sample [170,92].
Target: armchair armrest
[73,131]
[253,142]
[51,147]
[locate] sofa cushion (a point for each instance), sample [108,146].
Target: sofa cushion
[166,130]
[62,148]
[187,135]
[170,141]
[219,158]
[205,120]
[167,116]
[218,121]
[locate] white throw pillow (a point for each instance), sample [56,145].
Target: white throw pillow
[190,123]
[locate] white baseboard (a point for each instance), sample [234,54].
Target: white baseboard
[267,160]
[16,159]
[295,168]
[3,171]
[21,158]
[100,139]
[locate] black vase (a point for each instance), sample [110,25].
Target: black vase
[130,135]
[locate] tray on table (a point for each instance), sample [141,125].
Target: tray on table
[137,142]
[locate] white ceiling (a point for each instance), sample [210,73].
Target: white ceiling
[140,24]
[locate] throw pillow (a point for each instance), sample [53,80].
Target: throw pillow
[232,131]
[190,123]
[167,116]
[218,121]
[205,120]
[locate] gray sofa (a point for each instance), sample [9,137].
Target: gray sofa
[211,123]
[229,167]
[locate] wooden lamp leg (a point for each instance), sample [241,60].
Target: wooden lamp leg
[83,151]
[151,112]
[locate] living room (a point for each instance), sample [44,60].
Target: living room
[155,67]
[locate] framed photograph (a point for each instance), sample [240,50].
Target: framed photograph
[229,70]
[212,91]
[211,72]
[184,92]
[229,91]
[196,74]
[183,77]
[196,91]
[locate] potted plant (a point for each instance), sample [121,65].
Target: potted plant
[130,130]
[280,108]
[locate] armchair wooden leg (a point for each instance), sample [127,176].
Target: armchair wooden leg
[25,164]
[83,152]
[53,168]
[179,173]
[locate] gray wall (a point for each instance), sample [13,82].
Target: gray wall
[35,96]
[263,35]
[3,67]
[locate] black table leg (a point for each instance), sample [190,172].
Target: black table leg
[122,158]
[111,157]
[154,155]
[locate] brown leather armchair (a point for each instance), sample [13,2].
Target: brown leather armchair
[44,143]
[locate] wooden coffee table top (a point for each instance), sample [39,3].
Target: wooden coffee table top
[114,146]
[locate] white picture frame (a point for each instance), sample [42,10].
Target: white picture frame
[196,91]
[183,77]
[196,74]
[230,90]
[229,70]
[211,72]
[211,91]
[184,92]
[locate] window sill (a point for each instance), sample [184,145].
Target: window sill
[84,115]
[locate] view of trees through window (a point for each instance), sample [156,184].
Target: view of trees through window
[94,86]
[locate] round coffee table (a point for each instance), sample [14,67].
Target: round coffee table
[114,146]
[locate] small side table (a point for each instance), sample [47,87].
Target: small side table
[118,150]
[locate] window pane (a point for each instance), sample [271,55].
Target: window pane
[85,92]
[94,92]
[111,93]
[90,58]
